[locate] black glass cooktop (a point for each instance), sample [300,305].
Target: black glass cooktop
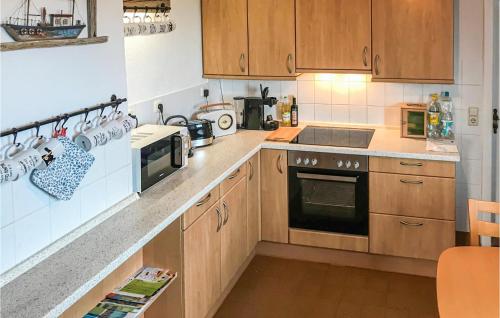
[336,137]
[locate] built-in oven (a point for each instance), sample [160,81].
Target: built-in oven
[328,192]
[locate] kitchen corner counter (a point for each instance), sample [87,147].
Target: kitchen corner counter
[56,283]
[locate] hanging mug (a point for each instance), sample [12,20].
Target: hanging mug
[91,136]
[10,169]
[114,127]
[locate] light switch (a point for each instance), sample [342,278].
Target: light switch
[473,116]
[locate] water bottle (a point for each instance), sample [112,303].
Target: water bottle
[433,115]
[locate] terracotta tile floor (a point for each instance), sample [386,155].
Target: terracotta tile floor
[273,287]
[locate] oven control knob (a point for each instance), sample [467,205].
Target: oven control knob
[314,161]
[347,164]
[340,163]
[356,164]
[306,161]
[298,161]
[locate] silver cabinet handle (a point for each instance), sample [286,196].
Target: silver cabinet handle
[242,63]
[411,181]
[278,164]
[226,213]
[411,224]
[204,200]
[250,177]
[377,60]
[219,219]
[234,175]
[289,65]
[365,56]
[409,164]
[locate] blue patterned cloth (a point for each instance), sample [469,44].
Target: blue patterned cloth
[64,174]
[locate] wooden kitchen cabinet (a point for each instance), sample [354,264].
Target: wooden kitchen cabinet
[333,35]
[413,41]
[202,263]
[274,191]
[253,202]
[225,37]
[233,232]
[271,37]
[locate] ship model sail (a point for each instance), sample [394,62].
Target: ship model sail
[34,27]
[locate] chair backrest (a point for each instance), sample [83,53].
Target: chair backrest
[482,228]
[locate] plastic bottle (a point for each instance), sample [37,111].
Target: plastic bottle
[285,113]
[433,115]
[295,113]
[447,123]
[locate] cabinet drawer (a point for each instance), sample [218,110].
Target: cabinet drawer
[412,166]
[200,207]
[416,196]
[233,179]
[410,237]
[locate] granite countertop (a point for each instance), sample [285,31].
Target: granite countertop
[53,285]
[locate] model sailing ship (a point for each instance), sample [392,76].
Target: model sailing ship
[35,26]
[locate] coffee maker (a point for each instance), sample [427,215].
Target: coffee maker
[252,115]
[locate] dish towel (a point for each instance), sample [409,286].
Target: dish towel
[63,176]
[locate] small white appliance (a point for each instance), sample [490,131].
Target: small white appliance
[222,118]
[157,152]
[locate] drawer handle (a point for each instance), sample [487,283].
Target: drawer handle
[226,213]
[408,164]
[205,200]
[411,181]
[251,170]
[278,164]
[234,175]
[219,219]
[411,224]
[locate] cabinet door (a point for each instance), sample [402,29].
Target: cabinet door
[413,40]
[202,263]
[271,31]
[274,191]
[253,202]
[225,37]
[333,35]
[234,232]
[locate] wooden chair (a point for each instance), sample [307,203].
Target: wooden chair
[482,228]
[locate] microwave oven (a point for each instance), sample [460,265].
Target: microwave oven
[157,152]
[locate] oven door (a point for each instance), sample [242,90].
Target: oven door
[330,201]
[160,160]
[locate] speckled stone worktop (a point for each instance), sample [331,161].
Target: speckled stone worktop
[53,285]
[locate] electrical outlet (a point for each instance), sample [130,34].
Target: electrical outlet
[156,103]
[204,92]
[473,116]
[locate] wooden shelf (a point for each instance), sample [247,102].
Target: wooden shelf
[14,46]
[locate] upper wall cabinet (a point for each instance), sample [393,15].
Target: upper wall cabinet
[271,35]
[413,41]
[225,37]
[333,35]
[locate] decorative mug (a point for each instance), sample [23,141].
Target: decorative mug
[91,136]
[10,169]
[114,127]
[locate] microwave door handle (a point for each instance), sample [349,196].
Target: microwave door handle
[326,177]
[176,157]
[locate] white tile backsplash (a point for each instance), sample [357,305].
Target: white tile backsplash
[357,93]
[413,93]
[375,94]
[6,198]
[65,215]
[394,94]
[32,233]
[93,198]
[358,114]
[306,112]
[305,92]
[375,115]
[340,93]
[8,248]
[27,198]
[323,112]
[340,113]
[323,92]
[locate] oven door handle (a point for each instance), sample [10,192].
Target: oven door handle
[327,177]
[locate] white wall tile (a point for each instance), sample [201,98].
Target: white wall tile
[471,147]
[65,215]
[375,115]
[93,198]
[455,94]
[394,94]
[305,92]
[323,92]
[306,112]
[357,93]
[8,248]
[375,94]
[358,114]
[32,233]
[118,154]
[430,89]
[28,198]
[340,113]
[392,116]
[118,185]
[289,88]
[471,41]
[98,169]
[7,211]
[322,112]
[240,88]
[340,93]
[472,96]
[413,93]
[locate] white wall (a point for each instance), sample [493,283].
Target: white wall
[39,83]
[355,99]
[167,66]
